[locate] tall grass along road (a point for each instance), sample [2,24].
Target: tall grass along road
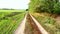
[9,21]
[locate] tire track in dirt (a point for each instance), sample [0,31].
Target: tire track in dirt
[41,29]
[21,27]
[31,27]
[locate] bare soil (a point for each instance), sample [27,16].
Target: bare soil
[31,27]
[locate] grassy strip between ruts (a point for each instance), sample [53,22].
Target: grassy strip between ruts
[9,25]
[49,24]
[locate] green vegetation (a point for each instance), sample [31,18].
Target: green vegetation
[9,21]
[49,24]
[51,7]
[4,14]
[12,10]
[57,8]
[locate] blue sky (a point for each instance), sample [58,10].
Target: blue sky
[15,4]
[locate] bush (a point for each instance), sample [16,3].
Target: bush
[41,8]
[57,8]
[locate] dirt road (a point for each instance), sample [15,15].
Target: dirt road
[30,25]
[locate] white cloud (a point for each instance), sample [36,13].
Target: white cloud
[16,4]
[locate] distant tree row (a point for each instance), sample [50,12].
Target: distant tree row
[6,9]
[50,6]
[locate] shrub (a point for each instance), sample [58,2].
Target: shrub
[41,8]
[57,8]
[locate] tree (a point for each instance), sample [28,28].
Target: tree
[42,5]
[57,8]
[26,9]
[57,1]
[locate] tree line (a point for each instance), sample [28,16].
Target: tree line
[50,6]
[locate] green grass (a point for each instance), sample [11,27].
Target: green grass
[12,10]
[49,24]
[9,25]
[2,14]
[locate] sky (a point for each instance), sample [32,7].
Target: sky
[15,4]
